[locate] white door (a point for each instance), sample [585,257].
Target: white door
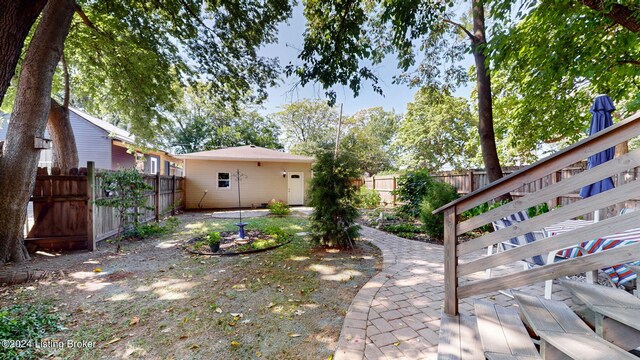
[296,188]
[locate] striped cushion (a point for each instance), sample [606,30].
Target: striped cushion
[522,239]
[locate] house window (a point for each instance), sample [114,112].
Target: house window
[224,180]
[154,165]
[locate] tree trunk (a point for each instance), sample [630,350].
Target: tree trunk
[485,109]
[16,19]
[19,158]
[65,152]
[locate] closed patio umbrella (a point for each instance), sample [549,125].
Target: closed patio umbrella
[600,119]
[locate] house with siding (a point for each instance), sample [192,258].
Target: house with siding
[109,146]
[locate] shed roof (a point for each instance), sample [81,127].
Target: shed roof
[246,153]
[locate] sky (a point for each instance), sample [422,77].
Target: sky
[290,40]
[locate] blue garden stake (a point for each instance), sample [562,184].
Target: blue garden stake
[240,224]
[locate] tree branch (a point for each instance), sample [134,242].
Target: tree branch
[620,14]
[341,25]
[65,73]
[632,62]
[85,19]
[193,14]
[472,37]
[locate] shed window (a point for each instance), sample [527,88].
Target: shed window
[224,180]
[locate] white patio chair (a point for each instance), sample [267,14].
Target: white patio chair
[537,260]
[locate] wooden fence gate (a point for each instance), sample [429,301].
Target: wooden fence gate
[59,211]
[65,216]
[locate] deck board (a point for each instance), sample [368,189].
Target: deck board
[575,338]
[502,333]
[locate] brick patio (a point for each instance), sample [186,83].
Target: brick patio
[396,315]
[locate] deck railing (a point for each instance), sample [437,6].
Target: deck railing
[455,270]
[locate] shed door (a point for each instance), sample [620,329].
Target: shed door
[296,188]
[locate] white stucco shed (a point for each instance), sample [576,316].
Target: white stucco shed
[265,174]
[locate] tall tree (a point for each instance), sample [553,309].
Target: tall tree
[19,157]
[124,56]
[436,130]
[340,34]
[368,137]
[307,125]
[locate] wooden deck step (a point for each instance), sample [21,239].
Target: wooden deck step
[502,333]
[459,339]
[617,313]
[562,333]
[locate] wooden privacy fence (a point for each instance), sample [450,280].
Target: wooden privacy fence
[471,180]
[459,285]
[65,216]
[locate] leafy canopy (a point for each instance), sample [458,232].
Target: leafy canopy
[200,123]
[124,59]
[344,40]
[550,61]
[307,125]
[368,137]
[436,131]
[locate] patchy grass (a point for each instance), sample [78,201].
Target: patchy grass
[156,302]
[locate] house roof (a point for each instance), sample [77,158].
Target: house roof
[246,153]
[116,132]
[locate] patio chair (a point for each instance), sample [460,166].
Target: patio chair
[626,210]
[537,260]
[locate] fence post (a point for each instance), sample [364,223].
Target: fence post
[91,195]
[471,185]
[556,177]
[157,209]
[373,182]
[173,195]
[450,262]
[394,190]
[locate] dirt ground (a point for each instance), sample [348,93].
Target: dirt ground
[155,301]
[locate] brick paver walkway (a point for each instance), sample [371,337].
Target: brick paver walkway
[396,315]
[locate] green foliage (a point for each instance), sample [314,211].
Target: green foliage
[125,192]
[551,60]
[368,198]
[402,228]
[278,208]
[278,233]
[201,123]
[26,322]
[151,229]
[538,210]
[213,238]
[438,194]
[436,131]
[412,187]
[343,41]
[307,125]
[479,210]
[123,67]
[368,136]
[332,195]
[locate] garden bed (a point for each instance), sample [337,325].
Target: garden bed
[231,244]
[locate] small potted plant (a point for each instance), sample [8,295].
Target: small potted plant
[213,239]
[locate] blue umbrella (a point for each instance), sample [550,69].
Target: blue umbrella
[600,120]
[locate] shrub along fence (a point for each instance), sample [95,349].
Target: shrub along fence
[467,181]
[65,216]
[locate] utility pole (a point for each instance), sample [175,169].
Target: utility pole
[335,154]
